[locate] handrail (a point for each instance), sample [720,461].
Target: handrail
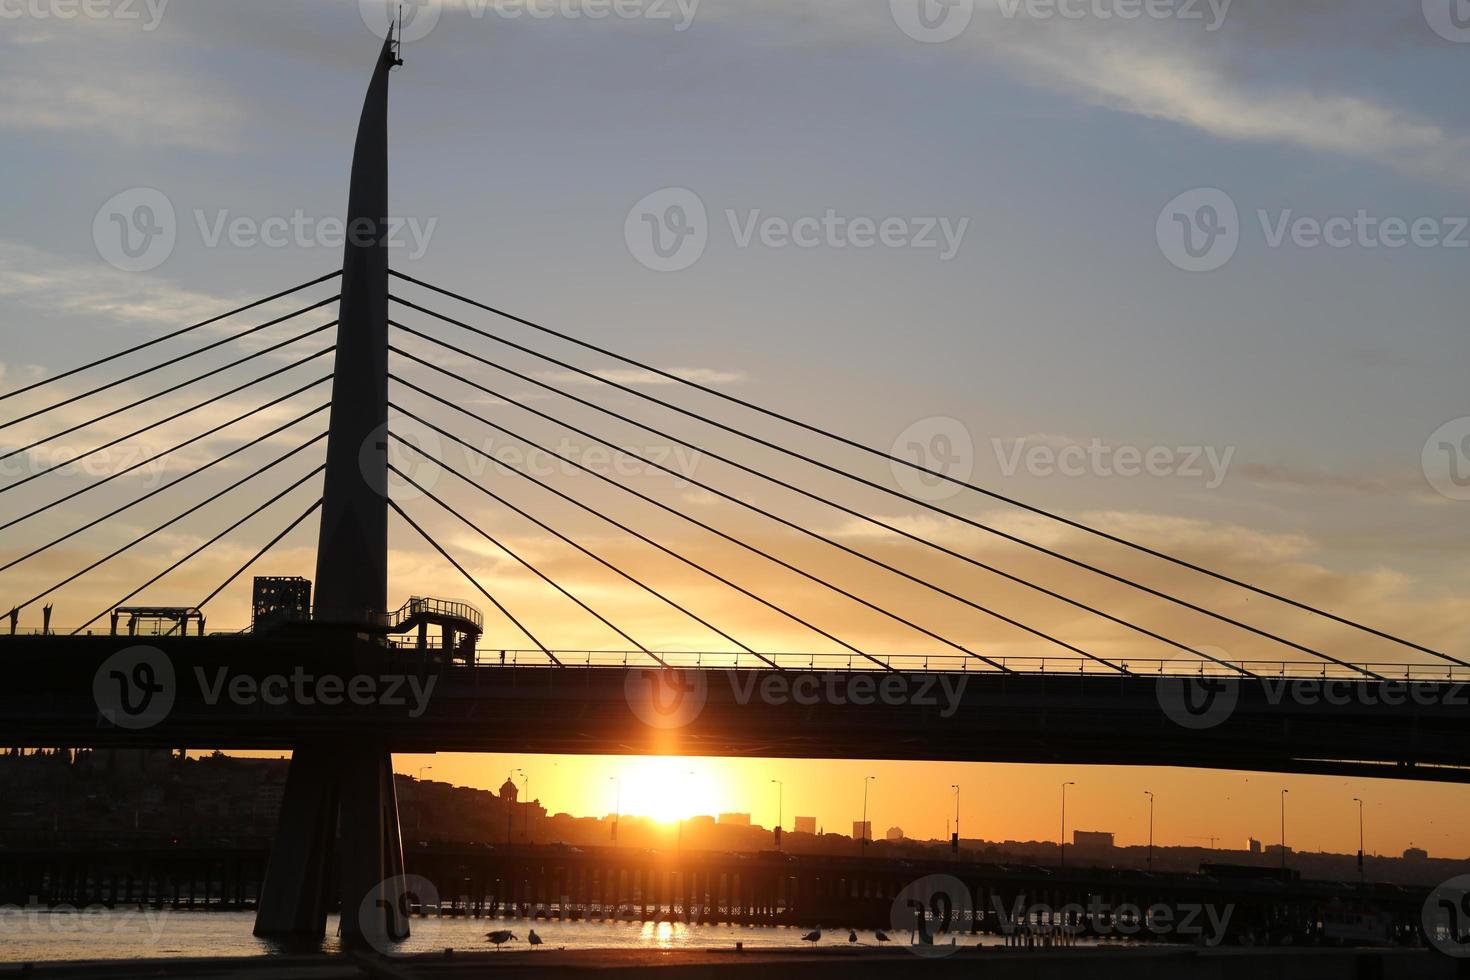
[1053,666]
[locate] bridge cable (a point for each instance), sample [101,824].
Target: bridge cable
[172,521]
[177,333]
[1060,556]
[169,363]
[212,541]
[813,496]
[852,443]
[668,551]
[166,391]
[159,455]
[172,483]
[734,540]
[472,580]
[177,415]
[539,574]
[553,531]
[259,554]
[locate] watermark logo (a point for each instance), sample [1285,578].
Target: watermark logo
[1197,701]
[150,12]
[1198,923]
[385,911]
[668,230]
[307,690]
[843,687]
[1446,917]
[413,469]
[135,688]
[932,21]
[1047,457]
[1199,231]
[1450,19]
[932,912]
[1446,459]
[941,445]
[136,230]
[419,17]
[666,697]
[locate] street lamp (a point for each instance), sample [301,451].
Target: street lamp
[617,807]
[780,808]
[863,827]
[1283,831]
[422,770]
[955,840]
[1360,838]
[1150,829]
[1062,838]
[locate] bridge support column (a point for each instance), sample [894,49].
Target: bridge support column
[328,785]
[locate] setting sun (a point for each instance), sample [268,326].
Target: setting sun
[668,788]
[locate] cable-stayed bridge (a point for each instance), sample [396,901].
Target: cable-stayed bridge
[403,355]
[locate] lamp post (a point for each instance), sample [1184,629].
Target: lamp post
[422,770]
[863,827]
[954,842]
[1062,837]
[1150,829]
[780,808]
[1283,831]
[1360,838]
[617,807]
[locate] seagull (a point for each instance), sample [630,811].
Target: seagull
[534,939]
[813,937]
[500,936]
[852,935]
[881,936]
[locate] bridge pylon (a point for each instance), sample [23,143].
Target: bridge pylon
[335,784]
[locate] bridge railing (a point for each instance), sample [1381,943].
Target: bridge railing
[1174,667]
[1053,666]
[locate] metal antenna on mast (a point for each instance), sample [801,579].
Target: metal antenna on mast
[395,34]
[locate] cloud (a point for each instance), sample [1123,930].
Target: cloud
[1212,81]
[89,79]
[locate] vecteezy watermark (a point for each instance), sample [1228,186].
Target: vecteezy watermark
[37,919]
[1201,702]
[1450,19]
[1446,459]
[148,12]
[1209,464]
[933,912]
[137,230]
[856,687]
[304,689]
[672,697]
[1193,699]
[135,688]
[666,697]
[421,16]
[937,21]
[1192,921]
[1201,230]
[943,456]
[1446,917]
[384,912]
[669,230]
[68,461]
